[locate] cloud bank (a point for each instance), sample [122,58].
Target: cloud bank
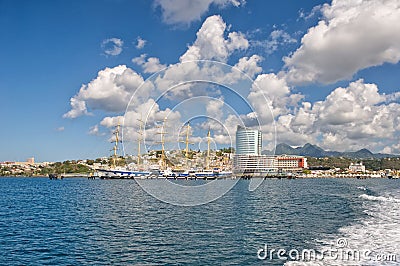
[353,35]
[185,12]
[350,117]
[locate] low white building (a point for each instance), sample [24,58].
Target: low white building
[247,163]
[357,168]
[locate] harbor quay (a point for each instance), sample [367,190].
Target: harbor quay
[244,161]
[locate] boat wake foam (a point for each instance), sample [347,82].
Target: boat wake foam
[377,232]
[379,198]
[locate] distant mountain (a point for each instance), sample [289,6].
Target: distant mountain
[311,150]
[315,151]
[283,148]
[363,153]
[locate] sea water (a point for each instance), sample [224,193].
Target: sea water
[101,222]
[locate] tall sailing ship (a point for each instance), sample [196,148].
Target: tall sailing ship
[162,171]
[118,172]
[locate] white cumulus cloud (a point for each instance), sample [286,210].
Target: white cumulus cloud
[95,131]
[109,91]
[271,91]
[140,43]
[276,39]
[353,35]
[211,44]
[112,46]
[152,115]
[78,108]
[149,65]
[184,12]
[349,118]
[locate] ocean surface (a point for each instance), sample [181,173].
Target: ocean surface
[101,222]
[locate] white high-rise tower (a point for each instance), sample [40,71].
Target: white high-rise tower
[248,141]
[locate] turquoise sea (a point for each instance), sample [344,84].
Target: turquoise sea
[102,222]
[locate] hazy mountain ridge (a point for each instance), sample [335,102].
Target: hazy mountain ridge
[315,151]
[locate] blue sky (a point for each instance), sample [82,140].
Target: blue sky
[340,92]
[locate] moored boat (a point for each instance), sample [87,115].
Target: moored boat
[206,174]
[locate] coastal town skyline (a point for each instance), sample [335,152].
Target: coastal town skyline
[328,68]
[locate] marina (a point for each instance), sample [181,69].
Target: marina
[162,169]
[245,163]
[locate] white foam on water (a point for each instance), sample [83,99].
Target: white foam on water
[379,198]
[362,188]
[378,233]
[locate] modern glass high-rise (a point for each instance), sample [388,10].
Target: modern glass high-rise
[248,141]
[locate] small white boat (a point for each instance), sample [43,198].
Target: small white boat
[225,174]
[168,173]
[206,174]
[122,173]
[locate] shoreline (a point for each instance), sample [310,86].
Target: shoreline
[205,179]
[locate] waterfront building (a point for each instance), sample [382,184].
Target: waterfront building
[290,162]
[248,158]
[357,168]
[249,163]
[267,163]
[248,141]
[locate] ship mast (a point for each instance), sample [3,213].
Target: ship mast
[163,133]
[115,148]
[139,140]
[187,142]
[208,149]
